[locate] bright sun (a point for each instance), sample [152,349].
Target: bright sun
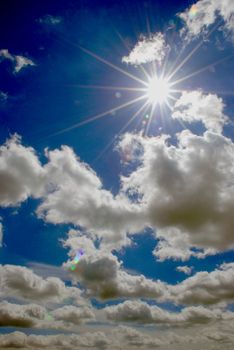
[158,90]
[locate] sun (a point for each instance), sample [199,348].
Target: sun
[158,90]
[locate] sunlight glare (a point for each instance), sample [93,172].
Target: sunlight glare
[158,90]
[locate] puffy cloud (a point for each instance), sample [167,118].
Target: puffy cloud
[205,12]
[148,49]
[101,274]
[185,269]
[13,315]
[186,191]
[21,174]
[206,287]
[195,106]
[77,197]
[73,315]
[21,283]
[19,62]
[141,312]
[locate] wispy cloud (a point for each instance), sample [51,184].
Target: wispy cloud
[19,62]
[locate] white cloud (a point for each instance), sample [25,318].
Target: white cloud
[195,106]
[18,61]
[21,283]
[148,49]
[203,13]
[21,174]
[185,269]
[186,192]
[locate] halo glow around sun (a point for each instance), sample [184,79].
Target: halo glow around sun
[158,90]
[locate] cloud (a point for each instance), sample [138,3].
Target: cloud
[148,49]
[141,312]
[186,192]
[19,62]
[195,106]
[185,269]
[73,315]
[21,283]
[101,274]
[21,174]
[204,13]
[206,288]
[50,20]
[13,315]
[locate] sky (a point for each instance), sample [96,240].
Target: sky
[116,174]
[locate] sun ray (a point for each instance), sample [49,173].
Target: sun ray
[186,59]
[121,131]
[150,119]
[201,70]
[98,116]
[105,87]
[112,65]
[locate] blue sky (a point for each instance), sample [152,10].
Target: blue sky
[116,132]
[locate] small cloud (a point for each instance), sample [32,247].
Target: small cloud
[50,20]
[3,96]
[147,50]
[185,269]
[18,61]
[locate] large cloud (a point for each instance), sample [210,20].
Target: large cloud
[141,312]
[206,287]
[73,315]
[187,192]
[195,106]
[13,315]
[101,274]
[21,283]
[205,12]
[149,49]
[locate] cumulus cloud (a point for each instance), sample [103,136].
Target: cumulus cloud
[186,191]
[101,274]
[19,62]
[73,315]
[89,205]
[195,106]
[148,49]
[21,174]
[206,287]
[13,315]
[141,312]
[205,12]
[21,283]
